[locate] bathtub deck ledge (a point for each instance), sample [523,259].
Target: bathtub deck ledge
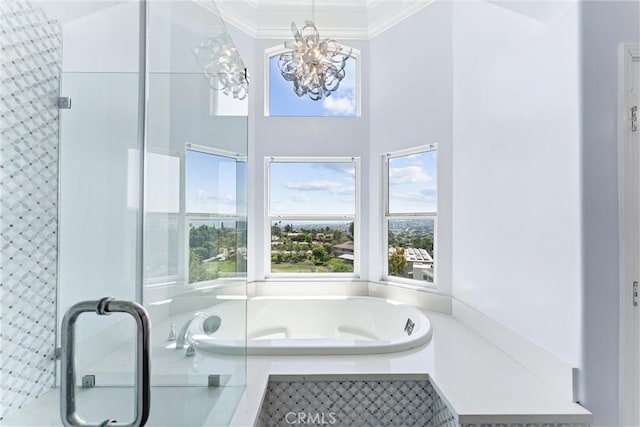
[479,382]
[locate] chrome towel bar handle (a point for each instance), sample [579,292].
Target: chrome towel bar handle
[102,307]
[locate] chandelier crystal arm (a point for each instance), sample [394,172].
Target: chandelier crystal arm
[315,66]
[221,63]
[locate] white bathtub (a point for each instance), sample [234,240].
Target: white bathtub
[313,325]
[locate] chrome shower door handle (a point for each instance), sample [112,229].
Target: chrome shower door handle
[105,306]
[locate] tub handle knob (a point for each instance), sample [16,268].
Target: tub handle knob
[191,351]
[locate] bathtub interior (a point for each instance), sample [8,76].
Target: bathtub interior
[360,318]
[330,324]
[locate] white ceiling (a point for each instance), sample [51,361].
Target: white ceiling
[340,19]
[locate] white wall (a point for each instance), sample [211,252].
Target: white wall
[103,41]
[516,201]
[411,104]
[604,25]
[301,136]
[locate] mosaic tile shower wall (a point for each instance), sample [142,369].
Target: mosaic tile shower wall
[30,62]
[375,403]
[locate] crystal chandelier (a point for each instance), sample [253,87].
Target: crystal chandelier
[221,63]
[315,66]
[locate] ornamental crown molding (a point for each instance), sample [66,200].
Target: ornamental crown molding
[339,19]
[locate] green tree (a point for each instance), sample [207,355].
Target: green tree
[397,262]
[424,242]
[328,248]
[197,271]
[275,229]
[320,256]
[339,266]
[201,253]
[211,250]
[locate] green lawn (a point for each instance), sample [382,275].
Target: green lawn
[287,267]
[228,266]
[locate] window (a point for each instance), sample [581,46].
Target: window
[411,215]
[312,209]
[280,100]
[215,222]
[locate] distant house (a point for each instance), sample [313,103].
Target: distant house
[347,258]
[343,248]
[419,263]
[418,255]
[344,251]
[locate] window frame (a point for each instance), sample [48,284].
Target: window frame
[387,216]
[200,216]
[278,49]
[268,218]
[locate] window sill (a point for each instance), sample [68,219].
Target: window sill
[310,277]
[409,284]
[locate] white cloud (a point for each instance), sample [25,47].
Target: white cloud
[341,105]
[408,174]
[330,186]
[343,168]
[427,195]
[299,198]
[204,196]
[205,201]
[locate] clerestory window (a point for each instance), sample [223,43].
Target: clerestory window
[280,99]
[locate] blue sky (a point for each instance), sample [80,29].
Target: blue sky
[284,102]
[312,188]
[210,183]
[413,183]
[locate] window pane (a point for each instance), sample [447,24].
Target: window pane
[284,102]
[312,188]
[413,183]
[312,247]
[217,249]
[210,183]
[411,248]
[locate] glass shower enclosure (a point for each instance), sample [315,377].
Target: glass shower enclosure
[124,149]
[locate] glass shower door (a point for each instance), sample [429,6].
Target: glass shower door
[193,247]
[158,219]
[175,217]
[98,230]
